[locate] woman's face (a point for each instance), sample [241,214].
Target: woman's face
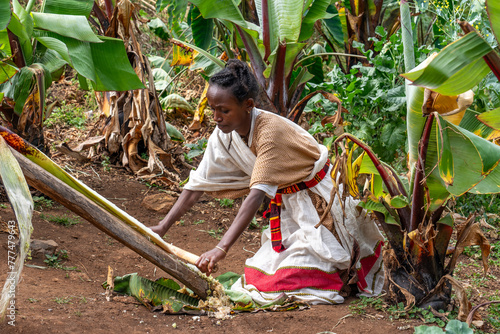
[229,113]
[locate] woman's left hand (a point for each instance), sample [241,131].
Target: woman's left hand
[207,261]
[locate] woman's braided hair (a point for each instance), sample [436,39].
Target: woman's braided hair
[237,77]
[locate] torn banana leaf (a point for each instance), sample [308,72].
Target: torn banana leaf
[20,199]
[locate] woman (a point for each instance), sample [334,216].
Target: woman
[261,154]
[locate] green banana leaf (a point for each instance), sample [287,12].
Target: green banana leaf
[24,17]
[334,26]
[317,11]
[202,29]
[4,14]
[159,28]
[174,134]
[285,20]
[19,87]
[472,155]
[150,293]
[73,26]
[165,292]
[221,9]
[456,69]
[22,204]
[73,7]
[18,29]
[7,71]
[493,9]
[105,64]
[112,67]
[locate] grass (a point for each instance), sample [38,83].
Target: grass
[254,224]
[67,115]
[198,222]
[398,311]
[494,312]
[64,220]
[217,234]
[106,164]
[63,300]
[54,261]
[41,202]
[3,206]
[225,202]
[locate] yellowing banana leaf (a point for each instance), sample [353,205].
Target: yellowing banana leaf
[214,59]
[200,110]
[493,9]
[396,202]
[445,158]
[456,69]
[7,71]
[491,118]
[22,204]
[44,162]
[471,122]
[181,56]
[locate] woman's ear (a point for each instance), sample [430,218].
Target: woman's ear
[250,103]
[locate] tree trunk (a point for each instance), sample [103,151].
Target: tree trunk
[106,222]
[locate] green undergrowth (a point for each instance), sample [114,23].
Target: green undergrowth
[64,220]
[55,260]
[397,312]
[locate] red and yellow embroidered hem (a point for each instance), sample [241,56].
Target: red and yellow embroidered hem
[274,211]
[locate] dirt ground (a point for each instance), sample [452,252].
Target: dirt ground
[53,300]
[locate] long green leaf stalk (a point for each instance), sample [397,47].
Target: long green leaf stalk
[406,33]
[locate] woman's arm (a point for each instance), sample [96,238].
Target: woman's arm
[251,204]
[183,204]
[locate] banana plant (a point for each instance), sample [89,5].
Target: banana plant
[37,47]
[273,36]
[448,156]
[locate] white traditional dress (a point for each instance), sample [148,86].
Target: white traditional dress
[315,263]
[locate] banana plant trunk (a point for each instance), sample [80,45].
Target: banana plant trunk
[40,179]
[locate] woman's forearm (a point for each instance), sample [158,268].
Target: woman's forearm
[185,201]
[245,215]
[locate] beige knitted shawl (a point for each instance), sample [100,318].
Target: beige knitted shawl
[281,153]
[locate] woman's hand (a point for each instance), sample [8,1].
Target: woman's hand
[207,261]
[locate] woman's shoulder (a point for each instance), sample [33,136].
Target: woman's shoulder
[268,119]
